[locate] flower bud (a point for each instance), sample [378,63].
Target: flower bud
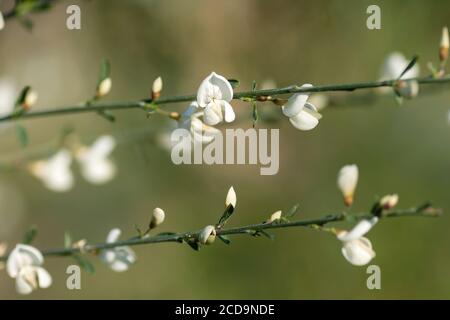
[444,47]
[231,198]
[30,99]
[157,217]
[2,21]
[389,201]
[407,89]
[175,116]
[274,217]
[207,235]
[104,87]
[157,88]
[347,181]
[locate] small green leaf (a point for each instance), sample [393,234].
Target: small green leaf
[67,240]
[292,211]
[266,234]
[84,264]
[22,135]
[255,114]
[234,83]
[107,115]
[225,216]
[193,244]
[21,98]
[409,66]
[225,239]
[105,71]
[30,235]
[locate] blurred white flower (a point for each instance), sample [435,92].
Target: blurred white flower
[96,167]
[24,264]
[302,114]
[30,99]
[7,97]
[158,217]
[54,172]
[214,96]
[347,181]
[389,201]
[199,131]
[356,249]
[207,235]
[231,198]
[394,65]
[118,259]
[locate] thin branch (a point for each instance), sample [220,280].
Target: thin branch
[421,211]
[146,104]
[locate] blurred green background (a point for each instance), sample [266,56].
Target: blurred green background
[402,149]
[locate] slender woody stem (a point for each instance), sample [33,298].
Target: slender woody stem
[423,211]
[144,104]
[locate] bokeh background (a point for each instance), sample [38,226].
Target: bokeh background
[402,149]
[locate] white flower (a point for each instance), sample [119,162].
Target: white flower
[118,259]
[199,131]
[302,114]
[104,87]
[30,99]
[214,96]
[55,172]
[96,167]
[231,198]
[7,97]
[347,181]
[24,264]
[394,65]
[158,217]
[207,235]
[356,249]
[274,216]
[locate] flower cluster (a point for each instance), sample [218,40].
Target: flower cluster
[95,164]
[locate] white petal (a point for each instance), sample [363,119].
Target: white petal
[98,171]
[394,65]
[228,111]
[103,146]
[113,235]
[348,179]
[2,21]
[359,230]
[358,252]
[205,233]
[193,108]
[55,173]
[7,97]
[296,102]
[213,114]
[205,93]
[22,286]
[225,88]
[44,278]
[304,121]
[231,198]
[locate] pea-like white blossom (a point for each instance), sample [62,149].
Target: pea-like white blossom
[96,166]
[231,198]
[118,259]
[190,120]
[158,217]
[55,172]
[7,97]
[303,115]
[347,181]
[214,96]
[395,64]
[357,249]
[207,235]
[25,265]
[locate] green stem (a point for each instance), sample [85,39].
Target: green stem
[142,104]
[424,211]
